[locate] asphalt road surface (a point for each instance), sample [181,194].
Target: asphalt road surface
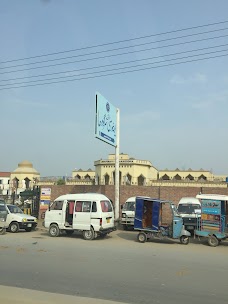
[116,268]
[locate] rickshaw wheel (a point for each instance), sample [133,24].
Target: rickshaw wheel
[184,240]
[213,241]
[142,237]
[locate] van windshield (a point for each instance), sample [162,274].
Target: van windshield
[129,206]
[106,206]
[188,208]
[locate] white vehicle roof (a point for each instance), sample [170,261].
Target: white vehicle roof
[218,197]
[133,198]
[89,196]
[189,200]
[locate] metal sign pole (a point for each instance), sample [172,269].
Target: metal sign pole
[117,175]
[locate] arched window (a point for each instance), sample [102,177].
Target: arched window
[202,177]
[107,179]
[27,181]
[165,177]
[177,177]
[141,180]
[128,179]
[190,177]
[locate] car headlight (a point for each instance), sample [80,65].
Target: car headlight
[24,220]
[2,220]
[35,220]
[124,215]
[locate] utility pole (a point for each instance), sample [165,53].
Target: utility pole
[117,170]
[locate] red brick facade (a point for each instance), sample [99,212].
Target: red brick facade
[173,194]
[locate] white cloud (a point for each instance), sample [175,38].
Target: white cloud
[197,78]
[213,100]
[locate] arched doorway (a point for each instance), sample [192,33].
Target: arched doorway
[106,179]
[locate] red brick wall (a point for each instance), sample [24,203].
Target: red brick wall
[173,194]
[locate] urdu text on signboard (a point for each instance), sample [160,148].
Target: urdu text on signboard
[105,128]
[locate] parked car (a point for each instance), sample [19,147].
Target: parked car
[16,219]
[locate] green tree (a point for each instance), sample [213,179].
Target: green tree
[61,181]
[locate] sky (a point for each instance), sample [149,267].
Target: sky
[172,114]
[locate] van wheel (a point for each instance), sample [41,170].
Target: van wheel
[184,240]
[54,230]
[14,227]
[142,238]
[88,234]
[213,241]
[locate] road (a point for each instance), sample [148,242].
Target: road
[116,268]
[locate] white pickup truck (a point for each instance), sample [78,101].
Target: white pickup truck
[16,219]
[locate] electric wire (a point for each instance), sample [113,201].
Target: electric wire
[114,64]
[113,50]
[111,74]
[114,55]
[116,69]
[120,41]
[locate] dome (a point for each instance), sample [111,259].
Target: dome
[26,167]
[25,164]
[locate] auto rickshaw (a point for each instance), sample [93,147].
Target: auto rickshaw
[213,223]
[159,219]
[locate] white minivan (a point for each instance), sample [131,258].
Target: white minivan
[90,213]
[128,213]
[189,209]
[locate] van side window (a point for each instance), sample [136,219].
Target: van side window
[82,206]
[58,205]
[106,206]
[86,207]
[78,207]
[94,207]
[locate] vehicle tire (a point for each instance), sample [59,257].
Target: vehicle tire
[213,241]
[28,229]
[69,232]
[125,227]
[142,238]
[184,240]
[2,231]
[54,230]
[88,234]
[14,227]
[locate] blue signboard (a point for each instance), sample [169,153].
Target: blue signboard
[210,206]
[105,128]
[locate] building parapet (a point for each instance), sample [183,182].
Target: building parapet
[188,184]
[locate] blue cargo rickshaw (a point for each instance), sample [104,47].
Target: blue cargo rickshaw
[213,223]
[159,219]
